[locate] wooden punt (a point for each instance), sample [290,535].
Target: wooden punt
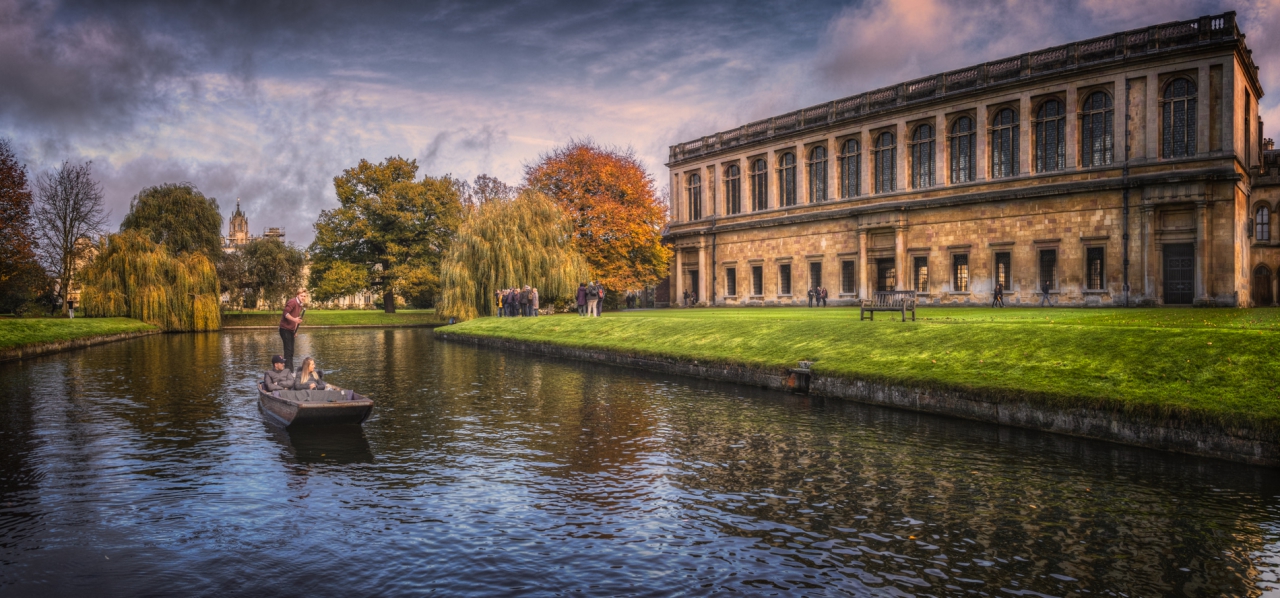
[309,407]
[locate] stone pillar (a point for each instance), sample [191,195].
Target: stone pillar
[1025,163]
[1073,124]
[833,168]
[802,176]
[1203,114]
[1153,116]
[771,175]
[900,256]
[1202,252]
[1275,289]
[703,276]
[863,289]
[678,299]
[902,176]
[1147,239]
[980,148]
[865,163]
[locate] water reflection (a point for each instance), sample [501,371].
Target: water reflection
[484,472]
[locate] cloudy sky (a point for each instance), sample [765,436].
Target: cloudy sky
[268,101]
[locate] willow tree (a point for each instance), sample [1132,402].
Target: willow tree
[135,277]
[505,243]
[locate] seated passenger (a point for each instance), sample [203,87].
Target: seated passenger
[278,378]
[308,378]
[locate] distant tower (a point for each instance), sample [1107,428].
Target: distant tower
[239,235]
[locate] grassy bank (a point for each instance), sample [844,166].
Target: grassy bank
[1206,365]
[337,317]
[19,332]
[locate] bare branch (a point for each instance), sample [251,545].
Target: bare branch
[69,209]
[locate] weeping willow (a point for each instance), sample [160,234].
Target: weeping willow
[506,243]
[133,276]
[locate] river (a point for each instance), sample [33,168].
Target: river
[145,468]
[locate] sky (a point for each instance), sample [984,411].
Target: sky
[268,101]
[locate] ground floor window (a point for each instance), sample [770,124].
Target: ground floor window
[1002,269]
[1093,265]
[815,274]
[731,282]
[921,276]
[784,279]
[960,272]
[886,274]
[1048,268]
[848,276]
[757,280]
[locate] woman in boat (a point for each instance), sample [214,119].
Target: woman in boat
[309,379]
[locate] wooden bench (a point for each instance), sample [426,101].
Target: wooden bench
[899,301]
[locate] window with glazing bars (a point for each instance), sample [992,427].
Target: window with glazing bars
[731,282]
[1048,267]
[922,157]
[733,190]
[787,179]
[1179,115]
[848,276]
[920,271]
[1097,279]
[960,272]
[759,185]
[694,193]
[1004,144]
[964,138]
[1097,138]
[757,280]
[1262,224]
[1002,270]
[886,162]
[851,169]
[784,279]
[815,274]
[818,174]
[1050,142]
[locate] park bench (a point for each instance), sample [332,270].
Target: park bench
[899,301]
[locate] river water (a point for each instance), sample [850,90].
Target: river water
[145,468]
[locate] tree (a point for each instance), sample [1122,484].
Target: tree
[485,189]
[179,216]
[21,278]
[273,269]
[68,216]
[391,226]
[617,214]
[505,243]
[135,277]
[233,277]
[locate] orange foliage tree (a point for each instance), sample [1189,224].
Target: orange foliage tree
[617,215]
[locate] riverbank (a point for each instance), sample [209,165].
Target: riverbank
[27,337]
[336,318]
[1198,381]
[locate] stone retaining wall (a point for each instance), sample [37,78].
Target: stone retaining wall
[1244,446]
[29,351]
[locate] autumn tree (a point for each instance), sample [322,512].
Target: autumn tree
[504,243]
[179,216]
[389,232]
[616,212]
[68,217]
[133,276]
[20,273]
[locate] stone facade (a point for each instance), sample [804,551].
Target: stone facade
[1124,169]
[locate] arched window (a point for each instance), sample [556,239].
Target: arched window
[851,169]
[963,151]
[787,179]
[1050,141]
[1179,116]
[759,185]
[886,162]
[694,193]
[922,152]
[818,174]
[733,189]
[1262,224]
[1004,144]
[1096,130]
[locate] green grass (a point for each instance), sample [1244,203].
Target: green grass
[1202,365]
[17,332]
[337,317]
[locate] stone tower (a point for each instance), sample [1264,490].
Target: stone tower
[239,234]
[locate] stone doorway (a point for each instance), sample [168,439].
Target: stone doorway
[886,274]
[1261,283]
[1179,273]
[691,284]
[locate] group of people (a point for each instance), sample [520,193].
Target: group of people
[818,296]
[282,375]
[690,298]
[517,302]
[590,299]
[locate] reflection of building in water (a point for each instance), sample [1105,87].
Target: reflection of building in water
[238,232]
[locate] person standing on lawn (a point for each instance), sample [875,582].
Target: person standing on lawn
[811,293]
[593,296]
[997,298]
[600,303]
[822,294]
[533,302]
[582,299]
[1044,293]
[289,322]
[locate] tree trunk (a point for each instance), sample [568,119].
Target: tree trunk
[388,301]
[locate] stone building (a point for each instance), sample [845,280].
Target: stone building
[1127,168]
[238,232]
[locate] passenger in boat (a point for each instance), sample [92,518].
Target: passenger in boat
[309,378]
[278,378]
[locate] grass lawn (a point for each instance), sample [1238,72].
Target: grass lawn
[337,317]
[16,332]
[1209,365]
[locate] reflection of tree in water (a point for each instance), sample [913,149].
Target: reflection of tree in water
[20,511]
[845,492]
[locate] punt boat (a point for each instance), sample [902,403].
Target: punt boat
[308,407]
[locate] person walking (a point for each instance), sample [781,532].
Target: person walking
[593,295]
[997,298]
[289,322]
[533,302]
[1044,293]
[582,299]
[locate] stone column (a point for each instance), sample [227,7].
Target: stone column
[900,256]
[1275,289]
[709,204]
[678,299]
[1202,252]
[1073,124]
[1025,163]
[802,176]
[1153,116]
[980,148]
[703,275]
[866,184]
[863,291]
[675,197]
[771,175]
[902,177]
[1202,114]
[1147,238]
[833,168]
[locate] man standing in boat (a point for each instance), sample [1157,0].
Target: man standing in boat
[289,322]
